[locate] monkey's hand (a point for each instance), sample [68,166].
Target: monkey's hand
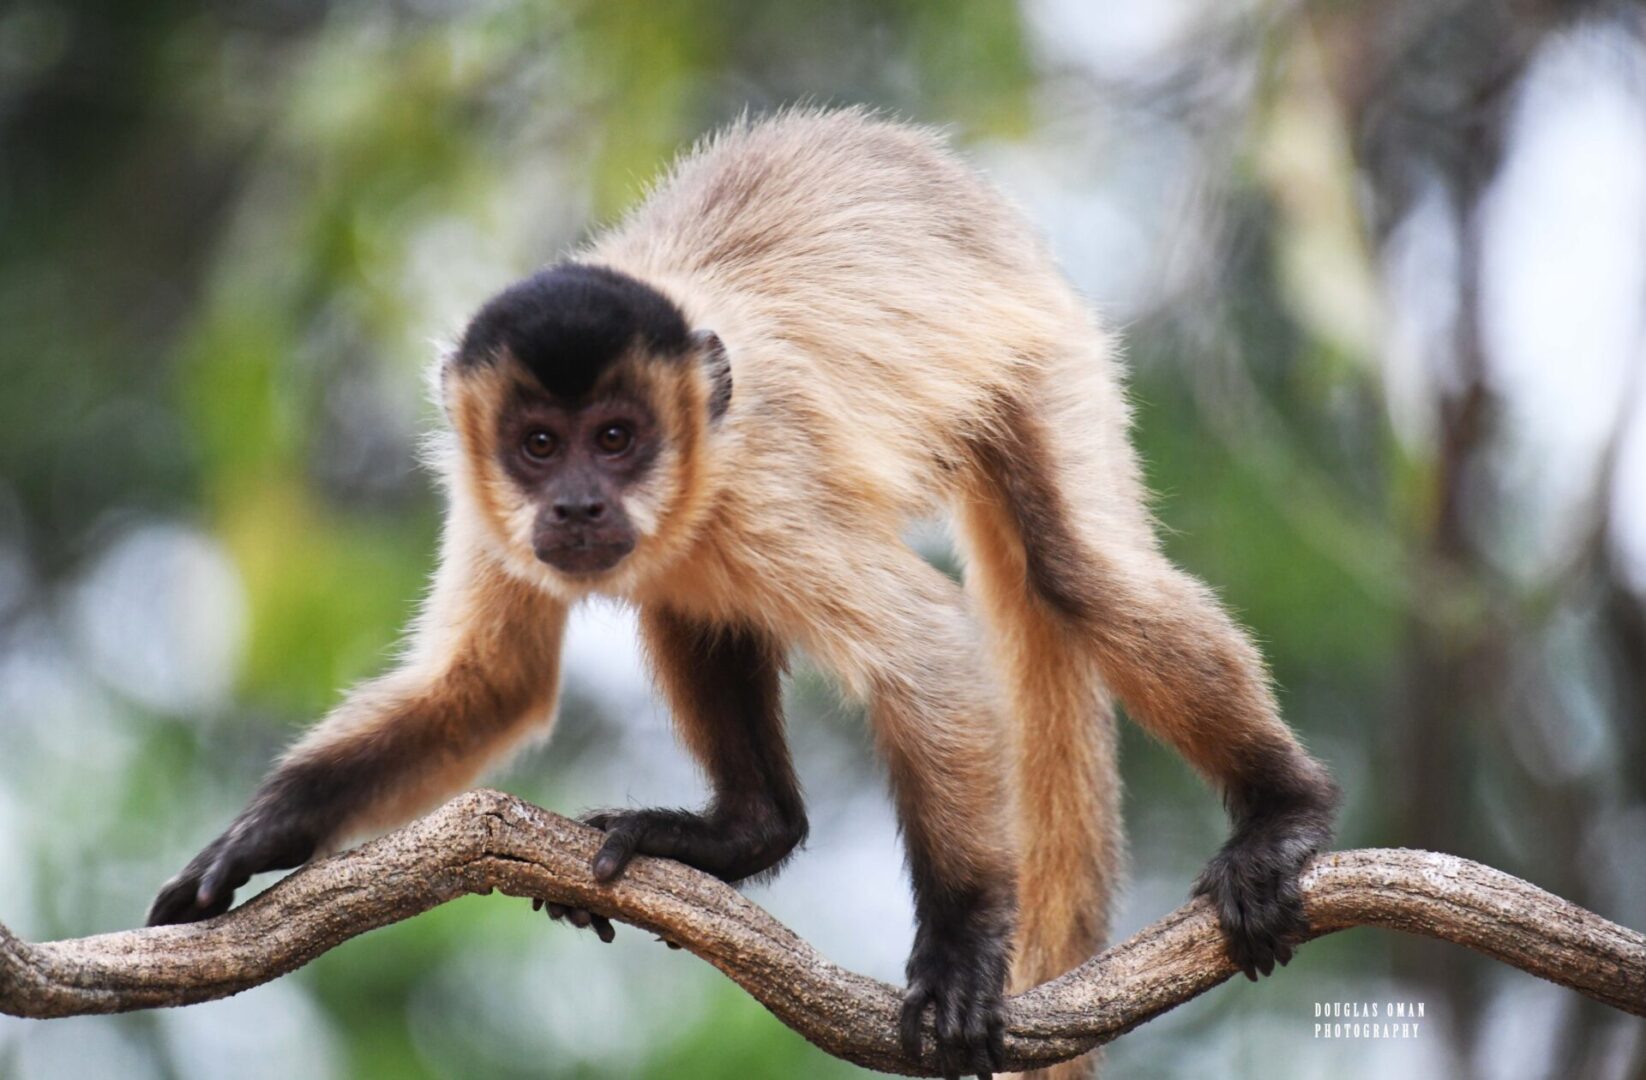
[958,967]
[1252,882]
[264,837]
[733,844]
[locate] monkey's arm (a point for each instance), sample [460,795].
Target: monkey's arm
[1193,678]
[482,669]
[722,684]
[1185,671]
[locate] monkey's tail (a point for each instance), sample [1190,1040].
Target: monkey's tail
[1064,760]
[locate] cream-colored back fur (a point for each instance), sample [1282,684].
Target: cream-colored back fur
[879,302]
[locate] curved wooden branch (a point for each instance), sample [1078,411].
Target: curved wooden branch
[486,840]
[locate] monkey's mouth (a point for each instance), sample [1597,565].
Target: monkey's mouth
[584,555]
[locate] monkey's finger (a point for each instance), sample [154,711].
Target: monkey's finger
[227,873]
[600,819]
[953,1054]
[615,853]
[1268,946]
[603,928]
[949,1016]
[174,903]
[914,1011]
[1257,954]
[980,1040]
[997,1038]
[579,917]
[1242,937]
[537,903]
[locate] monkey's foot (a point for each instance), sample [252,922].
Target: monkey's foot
[963,979]
[1253,884]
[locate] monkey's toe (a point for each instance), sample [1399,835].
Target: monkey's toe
[582,918]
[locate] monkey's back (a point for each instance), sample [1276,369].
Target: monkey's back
[864,275]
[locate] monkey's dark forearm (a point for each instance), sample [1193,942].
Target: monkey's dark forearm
[1282,787]
[723,682]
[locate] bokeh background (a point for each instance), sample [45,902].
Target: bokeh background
[1382,270]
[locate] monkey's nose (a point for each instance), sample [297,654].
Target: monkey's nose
[579,511]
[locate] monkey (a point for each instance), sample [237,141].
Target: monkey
[725,410]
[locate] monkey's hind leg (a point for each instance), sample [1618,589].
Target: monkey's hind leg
[1165,646]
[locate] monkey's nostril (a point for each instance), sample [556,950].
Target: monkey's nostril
[578,511]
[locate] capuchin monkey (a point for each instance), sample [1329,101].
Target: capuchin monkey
[818,328]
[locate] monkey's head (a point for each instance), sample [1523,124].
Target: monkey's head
[582,397]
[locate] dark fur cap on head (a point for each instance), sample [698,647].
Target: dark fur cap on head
[569,323]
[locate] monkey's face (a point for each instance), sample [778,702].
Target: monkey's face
[582,399]
[577,469]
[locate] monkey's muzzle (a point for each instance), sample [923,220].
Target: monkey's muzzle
[583,554]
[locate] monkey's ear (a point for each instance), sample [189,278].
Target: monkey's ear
[711,353]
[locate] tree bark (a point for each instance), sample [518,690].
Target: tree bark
[486,840]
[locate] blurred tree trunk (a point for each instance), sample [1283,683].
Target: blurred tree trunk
[1427,90]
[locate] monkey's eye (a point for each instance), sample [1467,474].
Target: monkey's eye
[614,439]
[539,445]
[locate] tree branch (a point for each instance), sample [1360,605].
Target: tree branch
[486,840]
